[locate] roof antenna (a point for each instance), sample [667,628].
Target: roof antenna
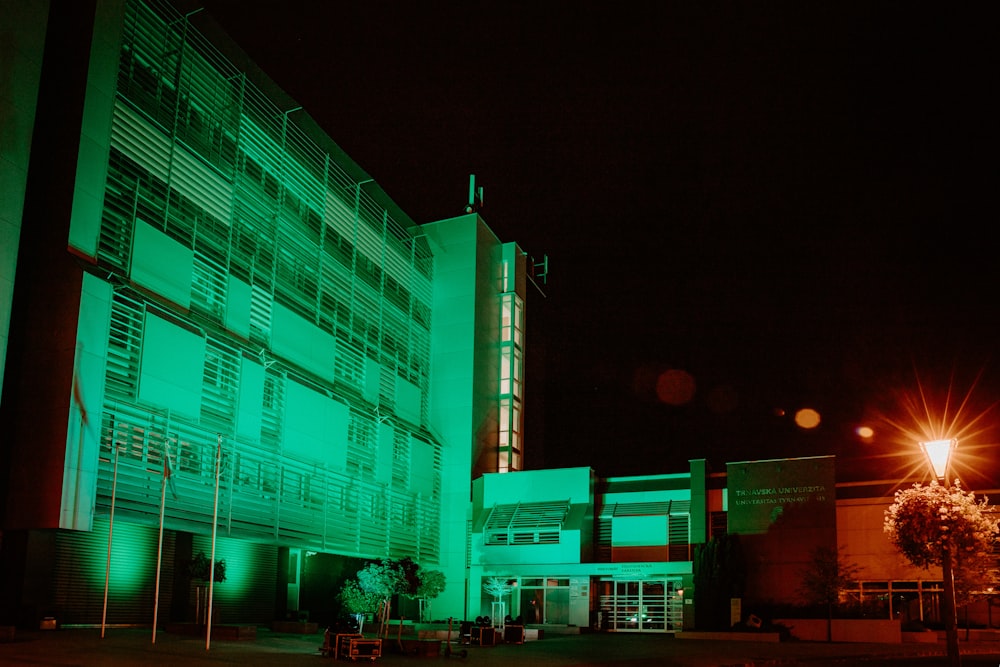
[475,196]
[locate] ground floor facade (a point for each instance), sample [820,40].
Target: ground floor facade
[608,597]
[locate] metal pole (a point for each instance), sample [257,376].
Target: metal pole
[948,573]
[159,547]
[950,611]
[111,530]
[215,530]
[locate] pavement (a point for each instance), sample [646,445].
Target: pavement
[84,647]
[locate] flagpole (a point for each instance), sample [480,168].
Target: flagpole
[215,530]
[111,530]
[159,547]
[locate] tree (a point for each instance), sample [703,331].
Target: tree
[827,574]
[387,577]
[432,584]
[937,525]
[498,587]
[383,578]
[357,602]
[198,568]
[924,521]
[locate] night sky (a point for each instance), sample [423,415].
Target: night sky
[792,203]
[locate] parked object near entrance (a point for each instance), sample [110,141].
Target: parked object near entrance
[350,646]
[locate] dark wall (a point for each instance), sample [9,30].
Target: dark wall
[42,343]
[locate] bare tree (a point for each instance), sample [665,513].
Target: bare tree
[825,578]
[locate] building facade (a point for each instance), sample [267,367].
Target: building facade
[220,335]
[619,554]
[217,318]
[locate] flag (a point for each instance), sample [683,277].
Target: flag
[168,470]
[78,397]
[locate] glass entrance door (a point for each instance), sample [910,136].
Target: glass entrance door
[652,605]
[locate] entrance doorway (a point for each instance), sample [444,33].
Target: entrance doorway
[544,601]
[643,605]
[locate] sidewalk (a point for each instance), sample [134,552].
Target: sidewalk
[134,647]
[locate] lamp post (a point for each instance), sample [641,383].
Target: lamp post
[938,454]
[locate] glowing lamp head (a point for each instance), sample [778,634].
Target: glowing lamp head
[938,453]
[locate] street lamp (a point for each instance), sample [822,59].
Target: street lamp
[939,453]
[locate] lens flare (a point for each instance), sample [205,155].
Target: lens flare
[807,418]
[675,387]
[926,417]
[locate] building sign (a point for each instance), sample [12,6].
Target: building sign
[783,510]
[760,492]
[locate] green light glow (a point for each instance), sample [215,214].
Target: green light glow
[240,573]
[133,557]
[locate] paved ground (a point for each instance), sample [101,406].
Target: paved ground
[134,647]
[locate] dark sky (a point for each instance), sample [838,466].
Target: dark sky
[792,202]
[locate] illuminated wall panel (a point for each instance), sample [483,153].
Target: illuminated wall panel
[315,425]
[421,468]
[383,458]
[239,297]
[302,342]
[251,400]
[407,400]
[161,264]
[372,382]
[631,531]
[173,366]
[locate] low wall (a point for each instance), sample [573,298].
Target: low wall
[731,636]
[295,627]
[882,631]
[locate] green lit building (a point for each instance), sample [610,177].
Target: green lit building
[197,280]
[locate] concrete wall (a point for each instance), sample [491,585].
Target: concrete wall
[845,630]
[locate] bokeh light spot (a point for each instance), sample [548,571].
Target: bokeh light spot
[865,432]
[807,418]
[723,399]
[675,387]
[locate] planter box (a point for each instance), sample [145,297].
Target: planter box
[920,637]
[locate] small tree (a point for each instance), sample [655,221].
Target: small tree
[432,583]
[827,574]
[199,567]
[383,578]
[200,571]
[937,525]
[498,588]
[357,602]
